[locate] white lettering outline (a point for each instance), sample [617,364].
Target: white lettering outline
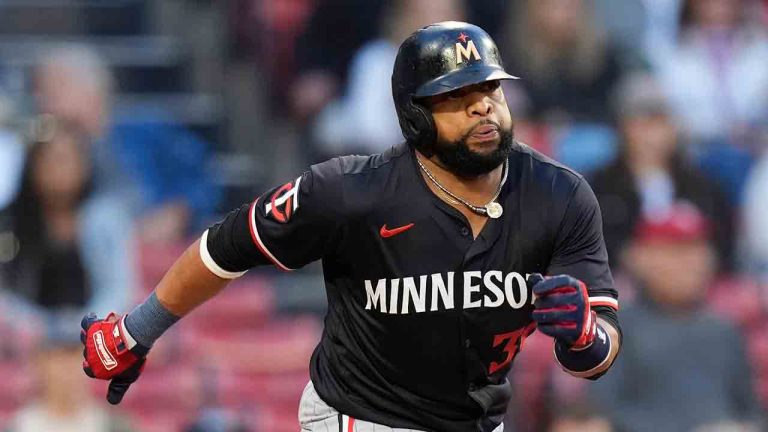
[105,356]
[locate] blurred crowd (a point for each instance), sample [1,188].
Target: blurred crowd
[661,104]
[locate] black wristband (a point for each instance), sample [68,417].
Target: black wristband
[586,362]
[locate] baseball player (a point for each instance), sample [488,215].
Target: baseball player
[433,254]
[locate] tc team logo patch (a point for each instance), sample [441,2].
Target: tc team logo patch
[469,51]
[284,202]
[106,358]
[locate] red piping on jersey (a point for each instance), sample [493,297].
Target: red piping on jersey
[351,425]
[604,301]
[257,240]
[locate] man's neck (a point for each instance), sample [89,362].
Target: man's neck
[477,190]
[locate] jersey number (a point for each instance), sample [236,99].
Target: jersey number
[512,342]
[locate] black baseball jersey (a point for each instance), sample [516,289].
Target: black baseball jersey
[423,320]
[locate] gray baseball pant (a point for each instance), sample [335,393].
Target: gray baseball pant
[316,416]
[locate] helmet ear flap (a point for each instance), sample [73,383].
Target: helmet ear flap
[422,125]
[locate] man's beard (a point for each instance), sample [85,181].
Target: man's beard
[459,159]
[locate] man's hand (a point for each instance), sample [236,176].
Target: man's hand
[562,310]
[111,354]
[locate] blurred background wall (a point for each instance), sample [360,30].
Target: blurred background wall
[128,126]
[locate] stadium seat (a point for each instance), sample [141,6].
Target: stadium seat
[278,346]
[175,388]
[16,385]
[245,304]
[757,348]
[530,377]
[738,300]
[154,261]
[235,389]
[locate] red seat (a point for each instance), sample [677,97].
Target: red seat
[163,420]
[757,348]
[156,259]
[16,384]
[531,375]
[171,388]
[278,346]
[738,300]
[236,389]
[244,304]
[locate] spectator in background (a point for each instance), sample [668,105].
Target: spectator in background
[159,164]
[640,26]
[335,31]
[64,402]
[754,222]
[11,154]
[567,66]
[716,75]
[74,248]
[717,78]
[363,120]
[650,173]
[683,368]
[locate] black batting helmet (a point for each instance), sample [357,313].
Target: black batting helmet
[437,59]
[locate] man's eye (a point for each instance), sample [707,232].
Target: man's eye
[492,85]
[453,95]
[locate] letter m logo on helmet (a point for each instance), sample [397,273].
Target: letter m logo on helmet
[469,51]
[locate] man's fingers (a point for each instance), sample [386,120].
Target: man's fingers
[548,329]
[565,301]
[116,391]
[118,386]
[88,321]
[557,329]
[87,369]
[534,278]
[554,284]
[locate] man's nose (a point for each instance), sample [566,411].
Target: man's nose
[481,107]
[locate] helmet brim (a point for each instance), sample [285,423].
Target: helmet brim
[462,78]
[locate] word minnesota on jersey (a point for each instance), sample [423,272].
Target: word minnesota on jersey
[434,292]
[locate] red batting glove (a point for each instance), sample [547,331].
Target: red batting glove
[111,354]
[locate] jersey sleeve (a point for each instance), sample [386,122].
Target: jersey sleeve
[289,226]
[580,250]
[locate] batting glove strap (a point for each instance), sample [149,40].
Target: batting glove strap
[588,333]
[586,362]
